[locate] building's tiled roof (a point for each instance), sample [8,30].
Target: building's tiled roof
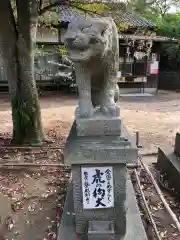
[133,21]
[67,14]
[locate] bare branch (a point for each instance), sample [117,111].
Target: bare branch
[40,5]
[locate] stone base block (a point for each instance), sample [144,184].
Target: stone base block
[101,230]
[135,229]
[169,163]
[99,125]
[177,144]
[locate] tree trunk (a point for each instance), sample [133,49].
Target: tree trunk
[26,116]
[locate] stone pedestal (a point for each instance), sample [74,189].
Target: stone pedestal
[105,149]
[134,226]
[168,162]
[97,153]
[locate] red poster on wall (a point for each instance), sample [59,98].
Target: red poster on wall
[154,67]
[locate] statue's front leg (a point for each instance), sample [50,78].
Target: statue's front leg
[83,81]
[108,105]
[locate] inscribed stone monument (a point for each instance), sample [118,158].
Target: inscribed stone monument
[98,147]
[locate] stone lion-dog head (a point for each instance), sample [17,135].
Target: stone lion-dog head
[88,38]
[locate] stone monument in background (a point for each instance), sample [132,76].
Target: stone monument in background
[98,148]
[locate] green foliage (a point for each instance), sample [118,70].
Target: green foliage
[62,50]
[152,7]
[98,8]
[49,19]
[169,26]
[139,6]
[40,51]
[122,27]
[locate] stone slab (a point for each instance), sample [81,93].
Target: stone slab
[101,230]
[99,125]
[135,228]
[104,149]
[169,163]
[177,144]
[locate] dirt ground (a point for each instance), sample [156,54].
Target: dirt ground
[166,227]
[156,118]
[29,196]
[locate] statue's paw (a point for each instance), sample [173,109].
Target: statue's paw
[86,109]
[109,110]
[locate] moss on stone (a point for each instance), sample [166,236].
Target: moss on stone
[25,116]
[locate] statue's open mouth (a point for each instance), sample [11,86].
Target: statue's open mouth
[79,54]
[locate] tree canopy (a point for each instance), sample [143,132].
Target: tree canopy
[167,24]
[148,7]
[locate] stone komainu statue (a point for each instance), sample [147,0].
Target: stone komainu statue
[93,46]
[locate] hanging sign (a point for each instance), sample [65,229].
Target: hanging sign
[154,56]
[154,67]
[119,74]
